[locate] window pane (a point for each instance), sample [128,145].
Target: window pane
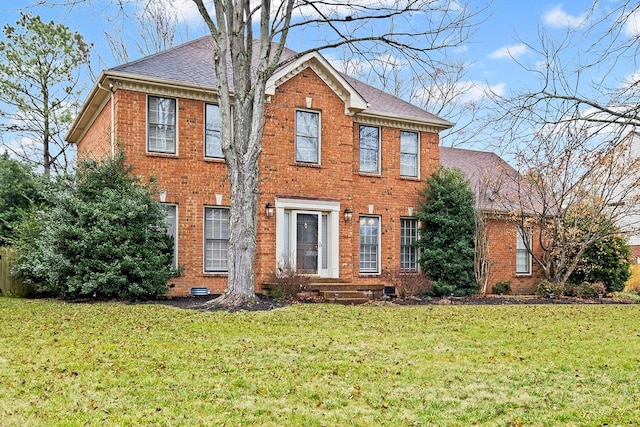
[408,252]
[369,245]
[523,256]
[369,148]
[161,129]
[216,234]
[408,153]
[213,145]
[325,245]
[172,228]
[307,136]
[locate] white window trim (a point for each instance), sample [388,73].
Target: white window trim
[204,134]
[146,128]
[520,229]
[295,143]
[379,162]
[378,252]
[417,175]
[417,268]
[175,238]
[204,240]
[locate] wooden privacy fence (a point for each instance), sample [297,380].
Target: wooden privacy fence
[633,284]
[11,286]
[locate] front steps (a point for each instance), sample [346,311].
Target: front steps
[338,292]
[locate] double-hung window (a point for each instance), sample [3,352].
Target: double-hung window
[409,153]
[216,239]
[523,253]
[369,149]
[307,137]
[408,252]
[171,220]
[369,254]
[161,125]
[212,141]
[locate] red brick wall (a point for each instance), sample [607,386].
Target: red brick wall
[192,182]
[635,254]
[96,143]
[501,234]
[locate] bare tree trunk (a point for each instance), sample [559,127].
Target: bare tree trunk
[481,262]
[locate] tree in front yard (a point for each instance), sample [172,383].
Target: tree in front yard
[103,237]
[446,240]
[39,90]
[19,188]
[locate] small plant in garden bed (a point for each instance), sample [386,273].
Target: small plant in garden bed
[287,283]
[549,290]
[502,288]
[588,290]
[407,284]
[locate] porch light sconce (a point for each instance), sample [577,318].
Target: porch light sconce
[348,214]
[269,209]
[163,195]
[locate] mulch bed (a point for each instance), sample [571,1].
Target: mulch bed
[264,303]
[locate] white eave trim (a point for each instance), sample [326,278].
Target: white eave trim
[387,120]
[353,101]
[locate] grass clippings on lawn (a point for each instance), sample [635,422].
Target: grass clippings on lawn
[318,364]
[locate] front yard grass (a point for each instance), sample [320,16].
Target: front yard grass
[318,365]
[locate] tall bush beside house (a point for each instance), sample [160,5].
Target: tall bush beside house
[103,237]
[446,240]
[605,261]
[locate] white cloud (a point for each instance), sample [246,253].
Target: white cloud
[558,18]
[513,51]
[632,26]
[477,90]
[469,91]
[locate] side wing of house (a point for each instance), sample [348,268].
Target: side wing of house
[510,244]
[341,168]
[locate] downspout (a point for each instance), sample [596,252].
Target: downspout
[112,139]
[113,121]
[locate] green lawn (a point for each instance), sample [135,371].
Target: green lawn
[324,365]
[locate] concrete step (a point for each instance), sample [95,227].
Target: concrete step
[330,295]
[351,287]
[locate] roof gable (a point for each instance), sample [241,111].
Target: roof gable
[354,102]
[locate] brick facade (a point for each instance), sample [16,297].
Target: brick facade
[302,194]
[502,237]
[192,182]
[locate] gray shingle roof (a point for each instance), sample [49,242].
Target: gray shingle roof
[494,181]
[192,63]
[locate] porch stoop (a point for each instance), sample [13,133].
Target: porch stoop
[338,292]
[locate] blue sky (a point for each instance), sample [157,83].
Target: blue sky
[489,53]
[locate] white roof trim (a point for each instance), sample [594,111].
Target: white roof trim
[354,102]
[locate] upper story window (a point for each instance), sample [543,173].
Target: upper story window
[212,141]
[369,149]
[409,153]
[523,253]
[161,125]
[307,137]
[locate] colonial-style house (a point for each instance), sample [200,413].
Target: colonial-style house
[341,167]
[509,240]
